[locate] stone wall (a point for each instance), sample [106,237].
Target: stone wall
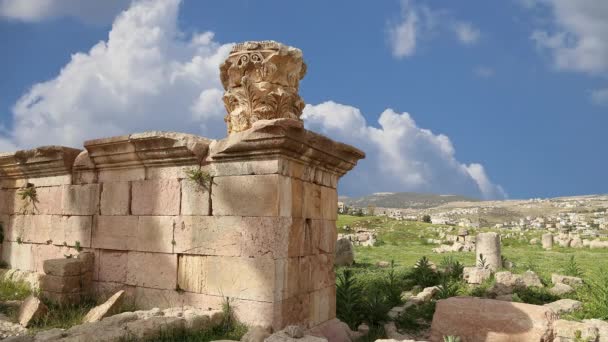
[259,230]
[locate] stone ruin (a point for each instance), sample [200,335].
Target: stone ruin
[176,219]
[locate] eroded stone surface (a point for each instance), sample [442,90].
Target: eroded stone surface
[31,309]
[261,80]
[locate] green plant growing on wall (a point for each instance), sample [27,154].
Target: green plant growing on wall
[29,196]
[77,246]
[1,233]
[451,339]
[200,177]
[19,240]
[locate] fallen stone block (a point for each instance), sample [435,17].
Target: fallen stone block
[572,281]
[476,275]
[477,319]
[31,310]
[560,289]
[105,309]
[152,327]
[67,284]
[256,334]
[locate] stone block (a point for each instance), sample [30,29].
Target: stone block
[249,278]
[195,198]
[49,200]
[8,199]
[41,253]
[322,274]
[122,175]
[112,305]
[155,270]
[255,195]
[267,236]
[312,201]
[72,229]
[245,168]
[31,310]
[63,267]
[115,198]
[18,255]
[154,234]
[329,203]
[113,266]
[155,197]
[324,236]
[115,232]
[209,235]
[80,199]
[301,237]
[322,305]
[66,284]
[485,320]
[292,311]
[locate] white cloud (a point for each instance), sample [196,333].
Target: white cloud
[148,76]
[400,155]
[144,77]
[466,32]
[600,96]
[484,71]
[403,34]
[418,22]
[577,37]
[95,12]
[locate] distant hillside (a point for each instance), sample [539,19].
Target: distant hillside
[403,200]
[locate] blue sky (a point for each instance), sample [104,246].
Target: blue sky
[486,99]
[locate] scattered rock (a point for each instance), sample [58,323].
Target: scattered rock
[476,275]
[487,248]
[345,253]
[561,289]
[294,331]
[567,331]
[383,264]
[105,309]
[534,241]
[564,306]
[31,309]
[477,319]
[547,240]
[562,279]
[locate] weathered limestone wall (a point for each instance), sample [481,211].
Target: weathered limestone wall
[261,231]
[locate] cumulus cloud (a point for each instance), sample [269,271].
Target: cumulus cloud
[400,155]
[600,96]
[466,33]
[577,36]
[148,75]
[95,12]
[145,76]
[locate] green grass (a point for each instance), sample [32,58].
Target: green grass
[62,316]
[405,243]
[10,290]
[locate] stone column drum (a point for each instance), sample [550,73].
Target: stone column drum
[487,247]
[547,241]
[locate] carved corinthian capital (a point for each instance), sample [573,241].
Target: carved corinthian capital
[261,80]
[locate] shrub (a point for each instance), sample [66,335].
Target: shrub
[572,269]
[375,307]
[393,286]
[451,268]
[448,288]
[594,296]
[416,317]
[423,274]
[349,298]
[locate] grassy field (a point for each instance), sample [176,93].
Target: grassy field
[405,243]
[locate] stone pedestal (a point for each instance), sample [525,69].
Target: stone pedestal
[547,241]
[176,219]
[487,251]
